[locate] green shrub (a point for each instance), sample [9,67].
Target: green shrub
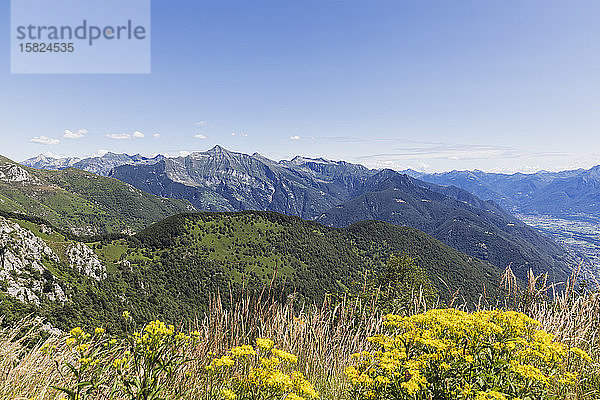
[139,366]
[261,372]
[450,354]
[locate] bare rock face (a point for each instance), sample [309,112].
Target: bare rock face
[12,173]
[82,258]
[22,270]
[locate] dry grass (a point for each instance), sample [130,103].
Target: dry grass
[322,336]
[25,371]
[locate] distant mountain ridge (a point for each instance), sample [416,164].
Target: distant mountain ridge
[221,180]
[571,193]
[338,193]
[457,218]
[81,202]
[564,194]
[101,165]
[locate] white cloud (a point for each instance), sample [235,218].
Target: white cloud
[119,136]
[44,140]
[232,133]
[78,134]
[244,134]
[53,155]
[201,123]
[200,136]
[156,135]
[294,137]
[100,153]
[125,136]
[432,156]
[445,151]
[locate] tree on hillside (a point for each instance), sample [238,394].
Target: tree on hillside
[402,284]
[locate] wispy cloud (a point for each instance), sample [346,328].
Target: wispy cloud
[44,140]
[126,136]
[157,135]
[119,136]
[201,123]
[54,155]
[200,136]
[295,137]
[354,139]
[415,151]
[243,134]
[446,151]
[78,134]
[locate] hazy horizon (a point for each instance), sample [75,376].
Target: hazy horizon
[187,153]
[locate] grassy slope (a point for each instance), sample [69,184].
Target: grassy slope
[83,202]
[170,269]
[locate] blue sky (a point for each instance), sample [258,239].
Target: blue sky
[431,85]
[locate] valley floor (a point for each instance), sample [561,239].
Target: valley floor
[580,235]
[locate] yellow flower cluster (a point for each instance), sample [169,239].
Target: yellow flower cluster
[262,368]
[136,364]
[77,336]
[452,352]
[156,335]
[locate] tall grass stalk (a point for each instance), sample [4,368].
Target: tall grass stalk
[323,337]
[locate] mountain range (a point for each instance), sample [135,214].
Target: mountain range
[337,193]
[170,269]
[567,194]
[101,165]
[81,202]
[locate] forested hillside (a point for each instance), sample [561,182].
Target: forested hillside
[170,269]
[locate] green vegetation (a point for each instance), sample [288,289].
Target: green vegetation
[234,279]
[79,201]
[451,354]
[399,284]
[169,270]
[140,366]
[258,349]
[340,194]
[481,230]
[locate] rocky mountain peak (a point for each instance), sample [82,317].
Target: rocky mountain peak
[218,150]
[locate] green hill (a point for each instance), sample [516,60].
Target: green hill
[79,201]
[336,193]
[170,269]
[457,218]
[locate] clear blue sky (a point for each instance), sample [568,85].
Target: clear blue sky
[434,85]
